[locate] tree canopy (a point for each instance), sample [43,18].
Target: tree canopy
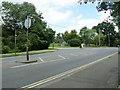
[107,29]
[14,15]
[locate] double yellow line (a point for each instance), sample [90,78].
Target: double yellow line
[64,74]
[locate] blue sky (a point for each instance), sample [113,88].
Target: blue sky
[62,15]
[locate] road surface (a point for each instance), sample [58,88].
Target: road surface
[17,75]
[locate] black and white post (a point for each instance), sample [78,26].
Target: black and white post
[27,26]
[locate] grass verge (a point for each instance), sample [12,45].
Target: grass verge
[30,52]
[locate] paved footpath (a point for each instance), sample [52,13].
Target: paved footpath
[100,75]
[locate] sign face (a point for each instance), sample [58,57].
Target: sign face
[27,23]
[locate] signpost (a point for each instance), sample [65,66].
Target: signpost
[27,26]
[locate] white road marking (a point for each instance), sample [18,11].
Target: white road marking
[33,85]
[73,54]
[62,57]
[24,65]
[41,59]
[36,63]
[20,66]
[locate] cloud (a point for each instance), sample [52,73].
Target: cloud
[59,3]
[54,13]
[78,22]
[56,17]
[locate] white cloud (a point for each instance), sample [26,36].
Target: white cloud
[59,3]
[53,15]
[103,15]
[78,22]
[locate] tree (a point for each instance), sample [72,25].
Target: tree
[113,7]
[14,15]
[87,35]
[65,36]
[107,29]
[102,39]
[74,42]
[73,34]
[59,38]
[104,6]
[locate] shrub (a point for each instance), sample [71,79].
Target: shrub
[43,44]
[92,45]
[21,47]
[74,42]
[5,49]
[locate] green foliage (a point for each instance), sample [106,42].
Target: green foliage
[66,36]
[74,42]
[102,39]
[72,35]
[113,6]
[14,15]
[108,30]
[5,49]
[59,38]
[87,35]
[92,45]
[21,47]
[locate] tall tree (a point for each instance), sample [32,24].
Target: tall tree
[59,38]
[73,35]
[87,35]
[14,15]
[65,36]
[108,30]
[113,7]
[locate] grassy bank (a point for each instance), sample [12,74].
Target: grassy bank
[59,45]
[30,52]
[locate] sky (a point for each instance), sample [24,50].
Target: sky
[66,15]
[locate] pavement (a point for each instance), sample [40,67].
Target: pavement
[100,75]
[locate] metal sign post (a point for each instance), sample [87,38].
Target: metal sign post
[27,26]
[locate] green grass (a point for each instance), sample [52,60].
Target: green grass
[56,46]
[30,52]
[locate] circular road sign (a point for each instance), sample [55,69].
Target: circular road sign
[27,23]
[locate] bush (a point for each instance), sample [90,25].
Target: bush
[44,44]
[74,42]
[5,49]
[92,45]
[21,47]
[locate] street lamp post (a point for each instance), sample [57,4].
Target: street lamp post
[15,41]
[109,39]
[27,26]
[99,37]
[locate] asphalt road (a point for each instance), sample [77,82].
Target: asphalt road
[17,75]
[103,74]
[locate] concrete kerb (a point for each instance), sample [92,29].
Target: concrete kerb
[25,61]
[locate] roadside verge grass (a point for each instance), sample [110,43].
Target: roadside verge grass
[30,52]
